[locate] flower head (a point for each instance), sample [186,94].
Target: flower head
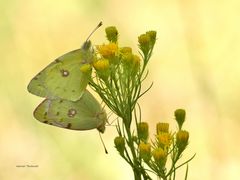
[125,50]
[142,130]
[112,33]
[119,144]
[162,127]
[182,139]
[180,117]
[152,35]
[145,151]
[160,156]
[164,140]
[101,64]
[108,50]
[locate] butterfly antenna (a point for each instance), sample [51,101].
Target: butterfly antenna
[100,24]
[105,149]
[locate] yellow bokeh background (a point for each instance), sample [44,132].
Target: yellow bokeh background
[195,66]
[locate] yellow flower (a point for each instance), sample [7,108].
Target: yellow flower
[145,151]
[101,64]
[85,68]
[164,139]
[108,51]
[159,156]
[162,127]
[182,137]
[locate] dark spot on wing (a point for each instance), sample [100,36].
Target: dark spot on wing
[72,112]
[64,72]
[69,125]
[50,123]
[57,60]
[45,122]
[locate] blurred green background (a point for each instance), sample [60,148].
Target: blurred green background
[195,66]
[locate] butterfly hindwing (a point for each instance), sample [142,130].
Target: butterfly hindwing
[84,114]
[63,77]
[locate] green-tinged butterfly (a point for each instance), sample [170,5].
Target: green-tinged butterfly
[83,114]
[63,77]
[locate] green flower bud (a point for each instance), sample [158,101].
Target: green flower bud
[160,157]
[182,137]
[162,127]
[125,50]
[112,33]
[180,117]
[152,35]
[145,151]
[144,41]
[142,130]
[119,144]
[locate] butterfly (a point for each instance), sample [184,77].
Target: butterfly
[68,104]
[83,114]
[63,78]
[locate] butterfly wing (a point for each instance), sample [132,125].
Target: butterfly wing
[78,115]
[63,78]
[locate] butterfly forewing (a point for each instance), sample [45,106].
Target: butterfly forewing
[63,78]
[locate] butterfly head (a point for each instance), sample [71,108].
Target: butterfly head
[86,45]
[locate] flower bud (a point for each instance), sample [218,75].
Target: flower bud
[142,130]
[160,156]
[143,40]
[119,144]
[101,64]
[125,50]
[180,117]
[182,139]
[112,33]
[152,36]
[162,127]
[145,151]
